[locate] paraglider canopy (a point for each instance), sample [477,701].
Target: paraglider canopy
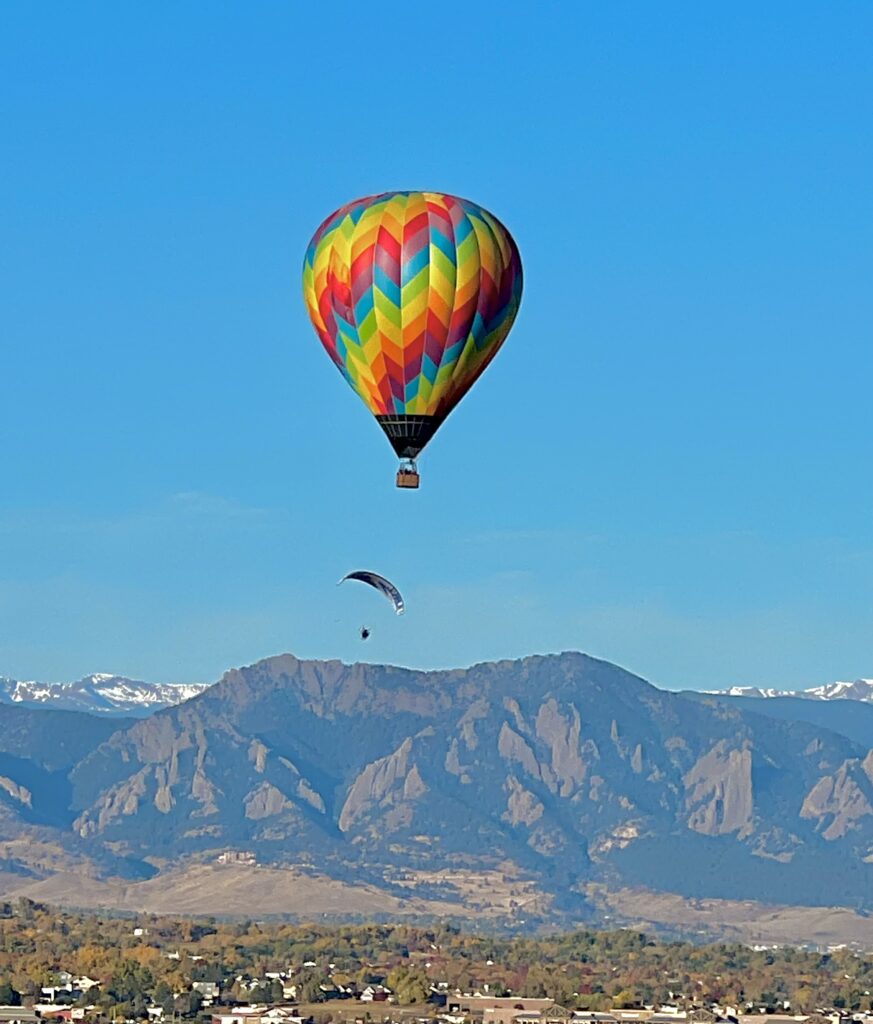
[386,587]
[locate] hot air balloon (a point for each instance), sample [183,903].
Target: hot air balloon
[411,294]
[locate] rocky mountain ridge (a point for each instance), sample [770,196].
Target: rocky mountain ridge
[563,770]
[106,694]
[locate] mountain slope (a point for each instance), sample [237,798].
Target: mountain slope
[569,768]
[518,788]
[38,748]
[99,694]
[850,718]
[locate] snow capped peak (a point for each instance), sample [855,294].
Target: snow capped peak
[860,689]
[747,691]
[100,693]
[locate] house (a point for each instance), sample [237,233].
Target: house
[282,1015]
[556,1014]
[250,1014]
[479,1003]
[375,994]
[330,990]
[209,990]
[51,992]
[67,993]
[553,1014]
[260,1015]
[238,1015]
[237,857]
[497,1009]
[783,1018]
[85,984]
[54,1011]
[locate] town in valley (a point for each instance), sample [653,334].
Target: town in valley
[58,965]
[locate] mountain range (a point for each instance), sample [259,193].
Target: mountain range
[106,694]
[860,689]
[516,791]
[99,694]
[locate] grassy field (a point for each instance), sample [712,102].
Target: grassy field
[498,895]
[733,920]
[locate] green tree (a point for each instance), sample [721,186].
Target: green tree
[309,989]
[271,992]
[409,985]
[8,995]
[188,1004]
[130,980]
[163,997]
[624,999]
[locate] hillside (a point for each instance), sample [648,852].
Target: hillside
[850,718]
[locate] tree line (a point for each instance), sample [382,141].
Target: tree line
[582,969]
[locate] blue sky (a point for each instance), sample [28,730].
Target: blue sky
[668,465]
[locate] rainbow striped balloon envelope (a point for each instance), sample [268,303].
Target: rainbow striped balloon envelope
[412,294]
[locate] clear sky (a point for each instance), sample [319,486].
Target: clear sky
[669,464]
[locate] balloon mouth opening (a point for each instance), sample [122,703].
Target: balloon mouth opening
[409,434]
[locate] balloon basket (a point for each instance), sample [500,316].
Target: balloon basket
[407,475]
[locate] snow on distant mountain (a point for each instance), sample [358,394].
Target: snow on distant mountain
[860,689]
[99,694]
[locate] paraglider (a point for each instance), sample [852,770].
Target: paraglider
[386,587]
[411,294]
